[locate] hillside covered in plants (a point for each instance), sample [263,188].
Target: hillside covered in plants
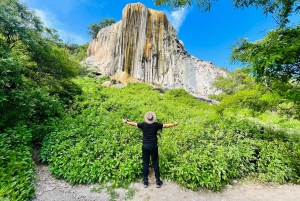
[49,102]
[212,145]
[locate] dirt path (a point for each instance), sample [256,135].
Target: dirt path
[51,189]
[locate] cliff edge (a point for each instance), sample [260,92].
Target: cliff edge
[145,46]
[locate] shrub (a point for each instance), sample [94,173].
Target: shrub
[16,165]
[91,144]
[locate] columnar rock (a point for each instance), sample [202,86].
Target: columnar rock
[144,45]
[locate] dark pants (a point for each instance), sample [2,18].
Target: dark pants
[147,151]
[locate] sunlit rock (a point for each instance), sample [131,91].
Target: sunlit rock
[145,46]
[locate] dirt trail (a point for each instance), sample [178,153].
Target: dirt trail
[50,189]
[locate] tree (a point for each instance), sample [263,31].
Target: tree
[95,28]
[16,23]
[273,58]
[281,8]
[236,81]
[239,90]
[34,66]
[21,31]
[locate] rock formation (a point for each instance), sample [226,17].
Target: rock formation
[144,45]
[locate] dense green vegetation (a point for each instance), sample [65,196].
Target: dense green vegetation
[212,145]
[274,60]
[254,131]
[16,167]
[36,68]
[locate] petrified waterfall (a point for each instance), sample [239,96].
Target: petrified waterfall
[145,46]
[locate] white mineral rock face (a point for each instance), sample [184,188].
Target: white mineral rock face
[145,45]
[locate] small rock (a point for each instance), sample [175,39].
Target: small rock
[51,188]
[106,83]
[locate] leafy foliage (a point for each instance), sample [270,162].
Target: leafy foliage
[274,58]
[253,131]
[207,149]
[274,61]
[237,80]
[16,165]
[95,28]
[241,91]
[35,71]
[78,51]
[35,87]
[281,9]
[16,23]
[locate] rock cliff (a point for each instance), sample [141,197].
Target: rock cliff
[145,46]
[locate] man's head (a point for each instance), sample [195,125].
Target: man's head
[150,117]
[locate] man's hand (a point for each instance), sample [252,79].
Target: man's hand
[170,125]
[125,121]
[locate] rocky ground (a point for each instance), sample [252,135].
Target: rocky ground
[50,189]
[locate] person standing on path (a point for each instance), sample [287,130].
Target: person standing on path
[150,148]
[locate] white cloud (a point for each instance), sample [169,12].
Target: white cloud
[177,17]
[49,20]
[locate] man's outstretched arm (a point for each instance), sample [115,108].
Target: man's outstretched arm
[170,125]
[125,121]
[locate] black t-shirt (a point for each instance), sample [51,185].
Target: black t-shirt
[150,132]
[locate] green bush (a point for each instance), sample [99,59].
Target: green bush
[206,150]
[16,165]
[275,162]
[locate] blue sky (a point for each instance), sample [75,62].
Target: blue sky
[206,35]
